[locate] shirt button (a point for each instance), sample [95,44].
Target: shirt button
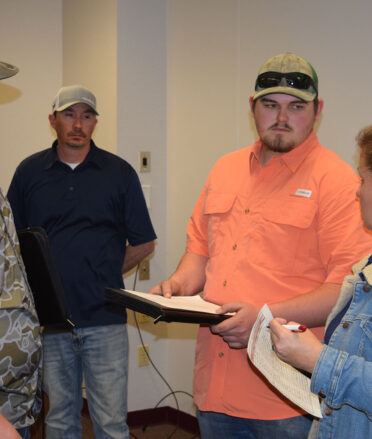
[234,247]
[246,211]
[281,163]
[327,411]
[345,325]
[366,288]
[71,188]
[224,283]
[220,354]
[322,394]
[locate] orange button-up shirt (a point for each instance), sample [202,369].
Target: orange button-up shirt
[270,233]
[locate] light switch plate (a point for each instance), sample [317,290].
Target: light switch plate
[145,161]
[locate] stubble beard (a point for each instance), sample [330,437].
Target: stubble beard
[76,144]
[277,143]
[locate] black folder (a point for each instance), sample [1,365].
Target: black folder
[158,311]
[44,279]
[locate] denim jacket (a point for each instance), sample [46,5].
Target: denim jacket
[343,374]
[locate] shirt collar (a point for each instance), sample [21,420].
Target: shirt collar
[293,158]
[364,269]
[92,156]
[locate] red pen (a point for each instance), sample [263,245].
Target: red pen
[296,328]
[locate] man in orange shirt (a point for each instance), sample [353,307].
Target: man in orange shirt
[277,223]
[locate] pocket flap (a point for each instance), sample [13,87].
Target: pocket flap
[293,211]
[217,202]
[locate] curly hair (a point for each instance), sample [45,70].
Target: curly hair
[364,141]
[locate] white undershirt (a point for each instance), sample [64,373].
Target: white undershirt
[72,165]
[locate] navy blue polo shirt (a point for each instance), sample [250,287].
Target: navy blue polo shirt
[89,214]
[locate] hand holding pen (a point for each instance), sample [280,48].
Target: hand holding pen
[294,344]
[295,328]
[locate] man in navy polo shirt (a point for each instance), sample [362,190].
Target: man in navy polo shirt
[91,204]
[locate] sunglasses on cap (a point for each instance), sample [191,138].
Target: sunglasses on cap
[298,80]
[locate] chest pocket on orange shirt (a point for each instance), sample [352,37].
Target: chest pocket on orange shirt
[285,235]
[217,207]
[293,211]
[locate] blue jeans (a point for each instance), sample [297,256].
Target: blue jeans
[218,425]
[100,354]
[24,432]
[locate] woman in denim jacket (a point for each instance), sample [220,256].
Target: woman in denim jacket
[341,367]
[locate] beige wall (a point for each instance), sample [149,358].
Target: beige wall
[89,59]
[31,38]
[141,117]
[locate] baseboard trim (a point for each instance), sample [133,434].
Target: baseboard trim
[158,416]
[163,415]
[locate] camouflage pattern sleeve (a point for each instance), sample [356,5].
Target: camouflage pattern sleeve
[20,339]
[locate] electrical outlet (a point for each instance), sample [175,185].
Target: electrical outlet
[143,359]
[144,270]
[143,318]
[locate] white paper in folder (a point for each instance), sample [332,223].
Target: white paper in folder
[291,382]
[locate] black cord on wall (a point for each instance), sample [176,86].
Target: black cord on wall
[172,392]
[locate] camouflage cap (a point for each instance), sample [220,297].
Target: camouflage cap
[304,85]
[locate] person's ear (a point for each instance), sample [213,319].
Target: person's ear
[319,109]
[52,120]
[251,103]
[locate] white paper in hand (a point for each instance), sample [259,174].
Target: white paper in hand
[292,383]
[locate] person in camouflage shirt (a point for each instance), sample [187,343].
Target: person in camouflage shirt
[20,340]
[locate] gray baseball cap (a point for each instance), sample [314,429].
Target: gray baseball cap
[74,94]
[7,70]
